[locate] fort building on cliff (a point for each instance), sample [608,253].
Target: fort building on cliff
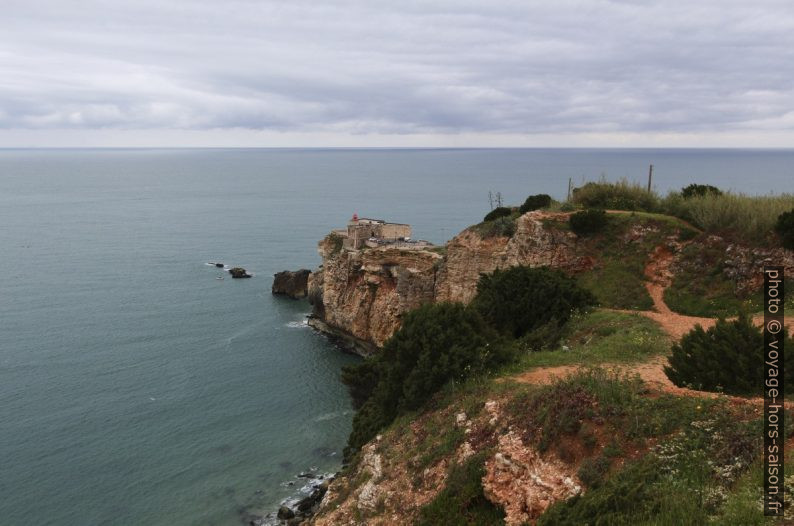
[365,232]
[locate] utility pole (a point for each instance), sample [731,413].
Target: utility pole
[650,178]
[569,190]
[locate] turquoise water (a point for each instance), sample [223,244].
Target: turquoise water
[136,388]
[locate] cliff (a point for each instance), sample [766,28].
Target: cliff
[514,449]
[359,296]
[362,294]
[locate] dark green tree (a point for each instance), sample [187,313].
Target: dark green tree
[521,299]
[496,213]
[535,202]
[588,222]
[785,229]
[700,190]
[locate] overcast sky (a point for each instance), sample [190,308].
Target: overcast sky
[399,73]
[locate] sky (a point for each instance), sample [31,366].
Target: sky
[372,73]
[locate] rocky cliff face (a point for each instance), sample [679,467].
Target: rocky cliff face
[364,293]
[291,283]
[533,244]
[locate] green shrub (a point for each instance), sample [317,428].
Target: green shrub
[521,299]
[748,219]
[437,343]
[785,228]
[496,213]
[499,227]
[699,190]
[588,222]
[534,202]
[462,501]
[728,357]
[336,242]
[593,470]
[621,195]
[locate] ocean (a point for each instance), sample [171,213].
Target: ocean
[137,388]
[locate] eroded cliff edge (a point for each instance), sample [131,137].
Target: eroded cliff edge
[360,296]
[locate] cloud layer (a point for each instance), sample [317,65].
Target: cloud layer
[400,68]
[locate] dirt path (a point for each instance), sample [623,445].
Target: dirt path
[651,372]
[659,276]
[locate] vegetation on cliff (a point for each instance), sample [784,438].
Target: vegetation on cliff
[535,202]
[520,300]
[784,227]
[621,195]
[727,358]
[588,222]
[496,213]
[443,342]
[436,344]
[738,217]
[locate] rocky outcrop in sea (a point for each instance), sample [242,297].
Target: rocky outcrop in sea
[291,283]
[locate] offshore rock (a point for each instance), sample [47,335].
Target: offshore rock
[239,272]
[294,284]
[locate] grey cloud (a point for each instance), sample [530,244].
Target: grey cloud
[416,67]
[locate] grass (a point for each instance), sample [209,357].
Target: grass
[601,337]
[738,217]
[621,195]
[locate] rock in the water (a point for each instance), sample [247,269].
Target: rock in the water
[239,272]
[284,513]
[293,284]
[219,265]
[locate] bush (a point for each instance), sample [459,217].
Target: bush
[521,299]
[699,190]
[728,357]
[437,343]
[588,222]
[593,470]
[496,213]
[619,196]
[785,229]
[535,202]
[500,227]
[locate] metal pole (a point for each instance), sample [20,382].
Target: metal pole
[650,178]
[569,189]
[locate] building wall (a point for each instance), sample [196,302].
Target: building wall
[394,231]
[359,232]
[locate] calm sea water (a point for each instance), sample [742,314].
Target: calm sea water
[136,388]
